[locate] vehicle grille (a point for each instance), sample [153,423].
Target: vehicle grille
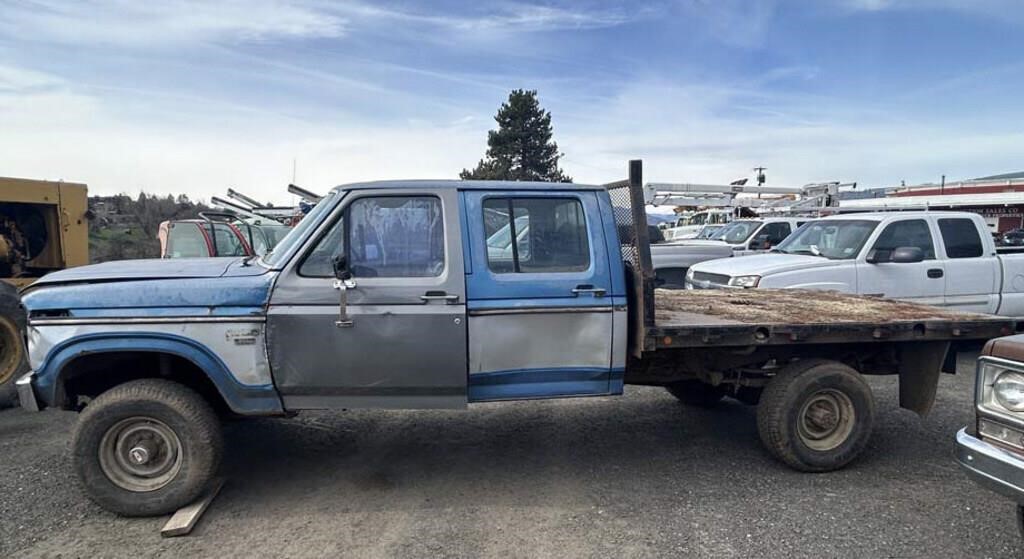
[717,279]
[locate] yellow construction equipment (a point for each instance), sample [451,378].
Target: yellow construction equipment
[43,227]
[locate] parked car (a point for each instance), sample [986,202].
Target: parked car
[215,234]
[387,295]
[991,448]
[1013,238]
[937,258]
[691,226]
[742,237]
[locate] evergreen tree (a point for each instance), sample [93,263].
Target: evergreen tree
[521,148]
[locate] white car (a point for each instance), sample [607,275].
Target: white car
[939,258]
[740,238]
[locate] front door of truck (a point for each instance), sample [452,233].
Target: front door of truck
[541,312]
[922,282]
[402,343]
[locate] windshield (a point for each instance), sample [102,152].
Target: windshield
[736,232]
[833,239]
[273,258]
[709,232]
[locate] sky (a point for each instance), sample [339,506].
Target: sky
[194,97]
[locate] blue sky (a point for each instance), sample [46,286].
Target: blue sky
[183,96]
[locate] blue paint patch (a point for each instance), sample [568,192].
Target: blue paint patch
[541,383]
[242,399]
[192,296]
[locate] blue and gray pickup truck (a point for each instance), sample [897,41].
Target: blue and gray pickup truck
[440,294]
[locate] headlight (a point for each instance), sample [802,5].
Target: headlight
[745,281]
[1009,391]
[689,273]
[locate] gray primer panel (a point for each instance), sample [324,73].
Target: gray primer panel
[533,341]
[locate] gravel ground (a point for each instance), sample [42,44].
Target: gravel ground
[607,477]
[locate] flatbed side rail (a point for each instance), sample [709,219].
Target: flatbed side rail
[745,335]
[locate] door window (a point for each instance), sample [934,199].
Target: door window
[909,233]
[387,237]
[550,235]
[961,238]
[776,232]
[396,237]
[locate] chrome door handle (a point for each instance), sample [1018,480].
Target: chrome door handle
[587,288]
[438,296]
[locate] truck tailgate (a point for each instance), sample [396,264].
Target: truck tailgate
[699,318]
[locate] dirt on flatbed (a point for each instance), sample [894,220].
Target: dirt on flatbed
[793,306]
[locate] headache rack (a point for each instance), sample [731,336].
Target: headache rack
[627,198]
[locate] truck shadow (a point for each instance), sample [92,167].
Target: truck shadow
[522,452]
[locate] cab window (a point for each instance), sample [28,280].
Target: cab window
[909,233]
[550,235]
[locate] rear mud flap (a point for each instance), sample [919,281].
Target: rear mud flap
[920,364]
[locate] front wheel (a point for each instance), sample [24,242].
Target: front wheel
[147,447]
[816,415]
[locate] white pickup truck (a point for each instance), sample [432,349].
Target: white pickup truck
[938,258]
[742,237]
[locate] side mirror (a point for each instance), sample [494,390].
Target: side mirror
[907,255]
[340,264]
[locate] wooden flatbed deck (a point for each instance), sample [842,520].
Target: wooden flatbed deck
[727,317]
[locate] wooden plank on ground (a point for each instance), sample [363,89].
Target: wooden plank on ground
[183,521]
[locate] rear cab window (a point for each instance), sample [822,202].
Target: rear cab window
[961,238]
[550,235]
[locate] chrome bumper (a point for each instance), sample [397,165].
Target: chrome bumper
[26,394]
[1000,470]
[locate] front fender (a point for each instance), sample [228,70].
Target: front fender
[240,398]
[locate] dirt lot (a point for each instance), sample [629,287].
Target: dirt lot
[637,476]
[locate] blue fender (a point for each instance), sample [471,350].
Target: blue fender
[242,399]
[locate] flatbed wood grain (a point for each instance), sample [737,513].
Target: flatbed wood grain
[789,306]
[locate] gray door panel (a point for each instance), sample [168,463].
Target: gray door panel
[393,356]
[400,351]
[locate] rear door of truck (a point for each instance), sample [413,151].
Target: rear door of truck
[539,295]
[972,267]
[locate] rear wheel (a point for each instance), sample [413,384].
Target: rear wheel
[816,415]
[696,393]
[147,447]
[13,362]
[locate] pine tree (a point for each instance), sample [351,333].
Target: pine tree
[521,148]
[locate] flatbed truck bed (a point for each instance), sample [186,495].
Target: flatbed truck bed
[703,318]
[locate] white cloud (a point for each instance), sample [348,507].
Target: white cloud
[501,18]
[179,22]
[1003,10]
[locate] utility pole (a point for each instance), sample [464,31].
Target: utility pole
[760,175]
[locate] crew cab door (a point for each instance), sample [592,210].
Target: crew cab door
[403,341]
[541,313]
[921,282]
[972,275]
